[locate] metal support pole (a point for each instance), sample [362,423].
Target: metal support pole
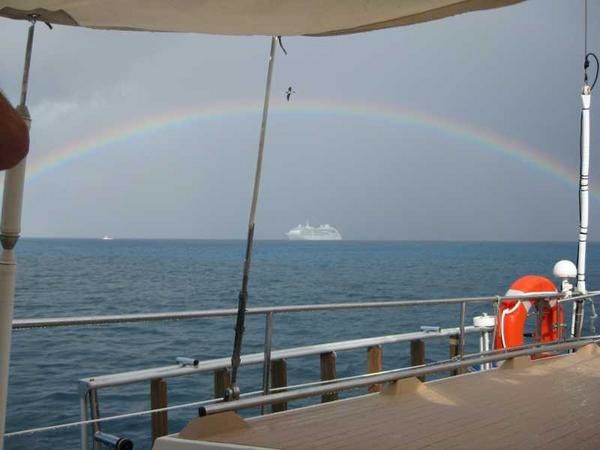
[566,288]
[483,346]
[497,313]
[463,313]
[95,414]
[586,100]
[10,230]
[539,319]
[267,358]
[488,343]
[233,392]
[83,415]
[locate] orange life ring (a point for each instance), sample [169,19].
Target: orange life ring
[14,135]
[512,314]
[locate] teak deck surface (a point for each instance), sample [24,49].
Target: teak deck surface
[549,403]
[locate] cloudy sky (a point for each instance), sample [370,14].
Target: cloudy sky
[464,128]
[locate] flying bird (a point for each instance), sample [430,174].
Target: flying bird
[288,93]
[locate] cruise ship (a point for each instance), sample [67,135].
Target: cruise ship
[307,233]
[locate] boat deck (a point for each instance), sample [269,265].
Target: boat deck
[548,403]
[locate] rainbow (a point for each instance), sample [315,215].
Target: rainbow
[486,139]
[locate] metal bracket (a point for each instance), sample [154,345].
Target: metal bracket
[232,393]
[9,242]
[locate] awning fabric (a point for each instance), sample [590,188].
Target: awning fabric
[243,17]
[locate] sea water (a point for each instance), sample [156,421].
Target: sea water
[59,278]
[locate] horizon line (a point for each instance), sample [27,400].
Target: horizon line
[242,239]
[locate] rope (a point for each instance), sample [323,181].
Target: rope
[587,54]
[107,419]
[281,45]
[183,405]
[587,65]
[192,404]
[585,27]
[119,416]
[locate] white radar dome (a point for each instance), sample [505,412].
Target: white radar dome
[565,269]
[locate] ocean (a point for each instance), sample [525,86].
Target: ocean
[74,277]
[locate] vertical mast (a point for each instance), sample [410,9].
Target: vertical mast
[233,392]
[10,229]
[586,100]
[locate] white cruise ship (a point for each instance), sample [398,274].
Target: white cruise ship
[307,233]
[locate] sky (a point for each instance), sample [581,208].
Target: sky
[465,128]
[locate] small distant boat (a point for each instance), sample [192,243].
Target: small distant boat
[307,233]
[107,238]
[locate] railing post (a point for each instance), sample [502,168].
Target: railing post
[95,414]
[485,347]
[496,323]
[374,364]
[83,415]
[455,352]
[541,309]
[463,314]
[222,380]
[328,372]
[560,320]
[158,399]
[279,380]
[267,354]
[417,354]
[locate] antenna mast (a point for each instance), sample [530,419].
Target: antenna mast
[584,145]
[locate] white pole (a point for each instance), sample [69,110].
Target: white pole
[586,100]
[486,339]
[10,229]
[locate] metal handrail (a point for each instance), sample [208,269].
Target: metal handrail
[388,377]
[184,315]
[89,386]
[177,370]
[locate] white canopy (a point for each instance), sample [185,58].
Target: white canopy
[243,17]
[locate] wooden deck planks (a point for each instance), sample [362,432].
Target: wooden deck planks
[549,404]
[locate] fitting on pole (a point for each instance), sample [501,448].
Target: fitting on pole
[113,442]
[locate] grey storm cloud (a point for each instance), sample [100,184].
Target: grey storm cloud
[514,72]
